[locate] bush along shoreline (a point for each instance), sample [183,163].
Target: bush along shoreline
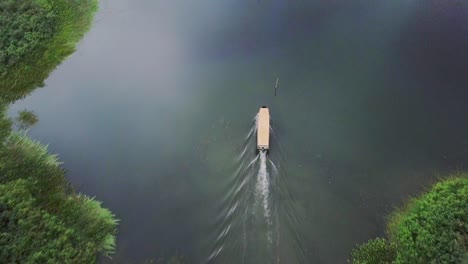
[430,228]
[35,37]
[43,219]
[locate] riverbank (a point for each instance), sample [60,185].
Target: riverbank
[43,218]
[36,36]
[430,228]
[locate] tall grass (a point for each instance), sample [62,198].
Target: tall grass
[73,228]
[94,227]
[107,223]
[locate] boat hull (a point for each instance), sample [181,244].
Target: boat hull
[263,129]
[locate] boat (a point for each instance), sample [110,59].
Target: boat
[263,129]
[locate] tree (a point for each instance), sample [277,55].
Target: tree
[431,228]
[35,37]
[26,119]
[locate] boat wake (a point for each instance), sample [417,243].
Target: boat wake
[249,224]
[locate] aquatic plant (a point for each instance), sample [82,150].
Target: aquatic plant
[35,37]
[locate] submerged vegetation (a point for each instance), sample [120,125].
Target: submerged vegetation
[42,218]
[35,37]
[432,228]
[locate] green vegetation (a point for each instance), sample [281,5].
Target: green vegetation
[42,218]
[32,234]
[375,251]
[35,37]
[432,228]
[26,119]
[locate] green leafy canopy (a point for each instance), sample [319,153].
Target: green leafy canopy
[430,229]
[35,37]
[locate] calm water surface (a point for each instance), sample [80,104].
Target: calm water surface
[151,113]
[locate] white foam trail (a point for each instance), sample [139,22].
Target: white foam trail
[224,233]
[241,186]
[252,162]
[216,253]
[263,190]
[239,158]
[253,130]
[263,185]
[272,131]
[275,169]
[232,210]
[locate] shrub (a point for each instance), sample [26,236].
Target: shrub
[96,224]
[24,158]
[433,228]
[374,251]
[29,234]
[71,228]
[430,229]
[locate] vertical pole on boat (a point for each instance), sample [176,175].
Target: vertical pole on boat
[276,85]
